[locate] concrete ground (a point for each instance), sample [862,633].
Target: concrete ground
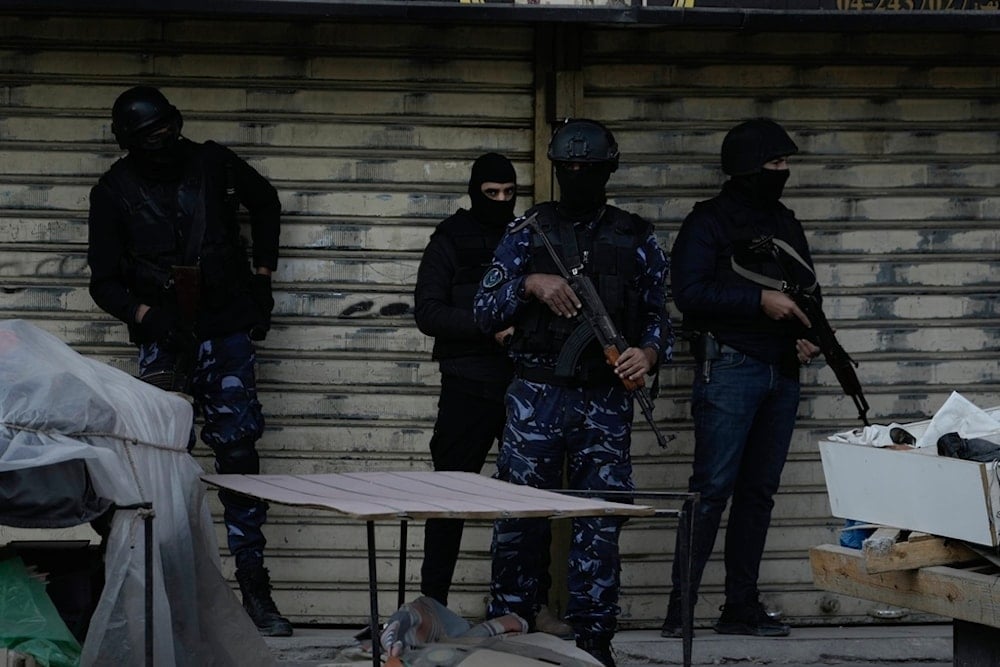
[924,645]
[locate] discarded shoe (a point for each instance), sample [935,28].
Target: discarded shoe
[749,619]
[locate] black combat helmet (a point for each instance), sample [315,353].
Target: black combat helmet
[749,145]
[583,140]
[138,110]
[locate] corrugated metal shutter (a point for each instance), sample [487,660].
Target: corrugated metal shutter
[896,185]
[368,131]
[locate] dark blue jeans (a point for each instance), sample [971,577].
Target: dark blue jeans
[744,415]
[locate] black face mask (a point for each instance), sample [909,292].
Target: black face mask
[765,187]
[582,191]
[495,168]
[491,211]
[162,159]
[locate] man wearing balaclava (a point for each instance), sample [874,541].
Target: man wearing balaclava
[475,370]
[730,254]
[168,203]
[567,405]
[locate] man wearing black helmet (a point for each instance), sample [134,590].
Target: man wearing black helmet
[576,414]
[750,342]
[171,203]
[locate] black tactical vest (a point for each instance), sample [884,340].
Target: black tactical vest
[608,257]
[159,217]
[474,245]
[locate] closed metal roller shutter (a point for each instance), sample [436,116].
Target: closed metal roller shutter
[368,132]
[896,186]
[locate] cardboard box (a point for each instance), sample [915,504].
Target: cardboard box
[914,489]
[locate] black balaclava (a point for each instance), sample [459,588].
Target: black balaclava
[495,168]
[764,188]
[746,149]
[161,159]
[582,192]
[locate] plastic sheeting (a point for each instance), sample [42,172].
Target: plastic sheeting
[56,406]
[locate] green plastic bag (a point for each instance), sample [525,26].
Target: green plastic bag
[29,622]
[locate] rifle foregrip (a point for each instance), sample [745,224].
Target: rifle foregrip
[611,353]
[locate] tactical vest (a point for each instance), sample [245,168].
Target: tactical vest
[158,220]
[608,256]
[474,246]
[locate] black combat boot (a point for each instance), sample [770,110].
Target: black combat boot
[255,584]
[598,646]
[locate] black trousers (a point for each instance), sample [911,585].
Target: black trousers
[466,427]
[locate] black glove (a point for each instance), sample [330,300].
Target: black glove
[260,292]
[160,325]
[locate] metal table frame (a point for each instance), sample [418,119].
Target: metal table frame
[409,496]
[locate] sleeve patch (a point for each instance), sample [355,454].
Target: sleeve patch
[493,277]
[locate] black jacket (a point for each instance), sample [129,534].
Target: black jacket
[712,297]
[119,237]
[453,263]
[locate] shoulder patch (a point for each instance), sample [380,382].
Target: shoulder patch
[493,277]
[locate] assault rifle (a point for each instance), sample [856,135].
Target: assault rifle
[602,328]
[185,283]
[836,357]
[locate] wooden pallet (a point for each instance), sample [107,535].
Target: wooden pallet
[924,572]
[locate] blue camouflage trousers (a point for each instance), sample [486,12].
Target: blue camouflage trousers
[589,431]
[224,389]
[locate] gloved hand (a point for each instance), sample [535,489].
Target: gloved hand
[160,324]
[260,292]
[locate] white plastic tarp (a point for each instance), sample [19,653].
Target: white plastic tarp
[57,405]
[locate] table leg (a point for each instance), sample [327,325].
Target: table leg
[401,588]
[688,510]
[373,597]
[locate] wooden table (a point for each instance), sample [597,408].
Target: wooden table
[405,496]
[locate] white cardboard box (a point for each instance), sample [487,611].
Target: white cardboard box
[914,489]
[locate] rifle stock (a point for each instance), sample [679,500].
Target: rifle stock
[187,283]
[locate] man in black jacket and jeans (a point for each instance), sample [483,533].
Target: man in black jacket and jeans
[170,203]
[752,339]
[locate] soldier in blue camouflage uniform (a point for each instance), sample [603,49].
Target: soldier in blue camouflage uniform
[169,202]
[576,413]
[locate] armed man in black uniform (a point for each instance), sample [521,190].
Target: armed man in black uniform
[167,259]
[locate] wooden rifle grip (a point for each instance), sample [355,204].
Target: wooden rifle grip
[611,354]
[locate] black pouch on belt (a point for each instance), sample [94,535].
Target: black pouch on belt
[706,348]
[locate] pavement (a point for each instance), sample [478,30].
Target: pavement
[862,646]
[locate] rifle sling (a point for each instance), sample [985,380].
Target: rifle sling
[196,235]
[774,283]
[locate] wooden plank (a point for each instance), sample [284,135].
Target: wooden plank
[970,596]
[911,554]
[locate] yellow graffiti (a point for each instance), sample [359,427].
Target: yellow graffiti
[684,3]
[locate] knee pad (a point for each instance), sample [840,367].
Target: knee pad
[237,458]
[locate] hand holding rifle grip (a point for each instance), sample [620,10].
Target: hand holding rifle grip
[603,328]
